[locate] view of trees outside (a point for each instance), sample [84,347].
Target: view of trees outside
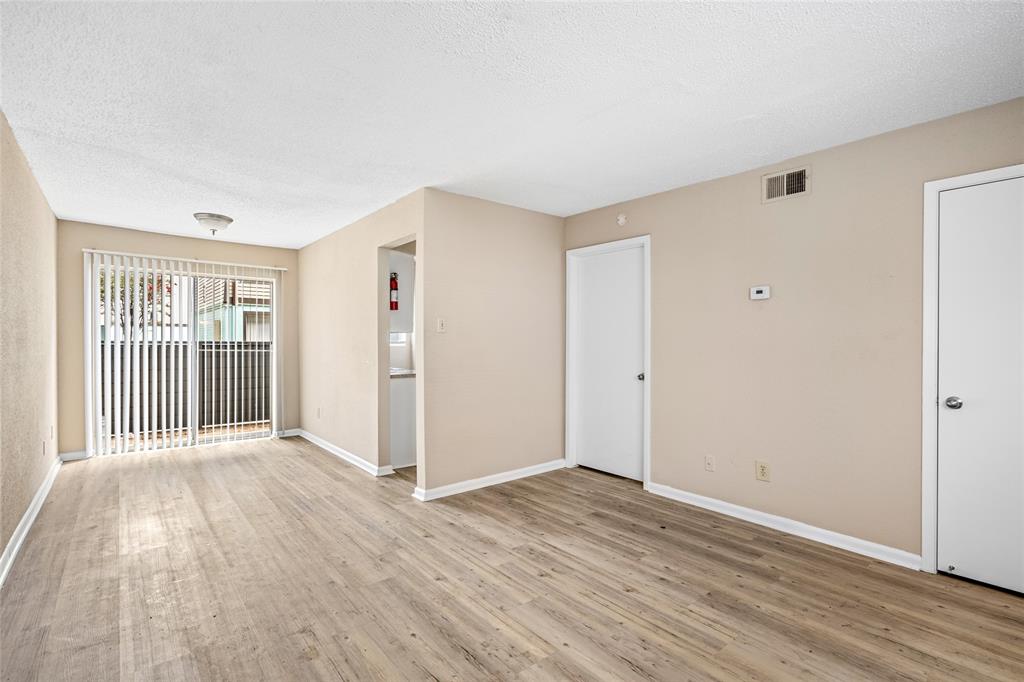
[153,295]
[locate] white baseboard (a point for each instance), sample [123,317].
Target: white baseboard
[341,453]
[425,495]
[288,433]
[73,456]
[27,519]
[865,547]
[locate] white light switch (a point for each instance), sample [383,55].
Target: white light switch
[760,292]
[442,325]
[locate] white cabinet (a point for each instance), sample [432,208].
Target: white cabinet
[403,420]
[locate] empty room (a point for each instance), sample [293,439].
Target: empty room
[512,341]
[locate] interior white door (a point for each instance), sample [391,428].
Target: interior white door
[981,383]
[607,345]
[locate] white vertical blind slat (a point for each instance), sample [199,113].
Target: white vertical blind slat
[136,371]
[172,331]
[88,320]
[154,366]
[144,352]
[190,352]
[126,358]
[207,358]
[164,435]
[258,358]
[97,383]
[115,329]
[231,364]
[275,330]
[261,410]
[108,285]
[243,366]
[235,426]
[176,335]
[225,371]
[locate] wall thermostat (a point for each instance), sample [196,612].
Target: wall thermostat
[760,292]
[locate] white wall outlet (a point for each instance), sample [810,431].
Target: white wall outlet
[709,462]
[442,325]
[318,412]
[762,471]
[760,292]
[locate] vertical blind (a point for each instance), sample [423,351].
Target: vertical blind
[179,352]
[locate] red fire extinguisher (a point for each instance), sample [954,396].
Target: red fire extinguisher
[394,291]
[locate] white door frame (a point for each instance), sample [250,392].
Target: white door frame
[930,351]
[572,341]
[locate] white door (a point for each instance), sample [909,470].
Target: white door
[981,383]
[606,351]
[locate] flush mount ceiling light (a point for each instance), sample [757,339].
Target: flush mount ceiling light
[213,221]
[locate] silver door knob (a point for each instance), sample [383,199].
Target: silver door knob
[954,403]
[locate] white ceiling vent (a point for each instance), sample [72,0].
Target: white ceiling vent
[775,186]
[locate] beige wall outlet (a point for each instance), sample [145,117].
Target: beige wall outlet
[709,462]
[762,471]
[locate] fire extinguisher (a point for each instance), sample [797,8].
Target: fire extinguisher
[394,291]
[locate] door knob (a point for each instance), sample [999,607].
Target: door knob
[954,403]
[640,376]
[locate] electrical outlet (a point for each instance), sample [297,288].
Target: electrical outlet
[762,471]
[318,412]
[709,462]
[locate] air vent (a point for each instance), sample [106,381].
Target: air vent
[775,186]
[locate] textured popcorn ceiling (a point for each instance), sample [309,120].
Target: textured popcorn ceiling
[297,119]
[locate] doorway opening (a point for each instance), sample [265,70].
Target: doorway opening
[399,354]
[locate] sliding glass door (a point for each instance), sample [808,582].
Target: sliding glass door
[178,352]
[234,358]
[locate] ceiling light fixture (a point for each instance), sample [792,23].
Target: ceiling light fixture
[213,221]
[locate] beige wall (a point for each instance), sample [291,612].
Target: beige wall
[493,384]
[344,367]
[490,390]
[822,381]
[28,340]
[74,236]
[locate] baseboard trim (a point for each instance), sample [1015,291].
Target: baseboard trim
[864,547]
[27,519]
[287,433]
[342,453]
[73,456]
[427,494]
[403,466]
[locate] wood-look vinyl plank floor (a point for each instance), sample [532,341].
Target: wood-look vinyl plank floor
[272,560]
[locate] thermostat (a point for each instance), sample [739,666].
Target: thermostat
[760,292]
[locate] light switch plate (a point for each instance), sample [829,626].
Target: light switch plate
[442,325]
[760,292]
